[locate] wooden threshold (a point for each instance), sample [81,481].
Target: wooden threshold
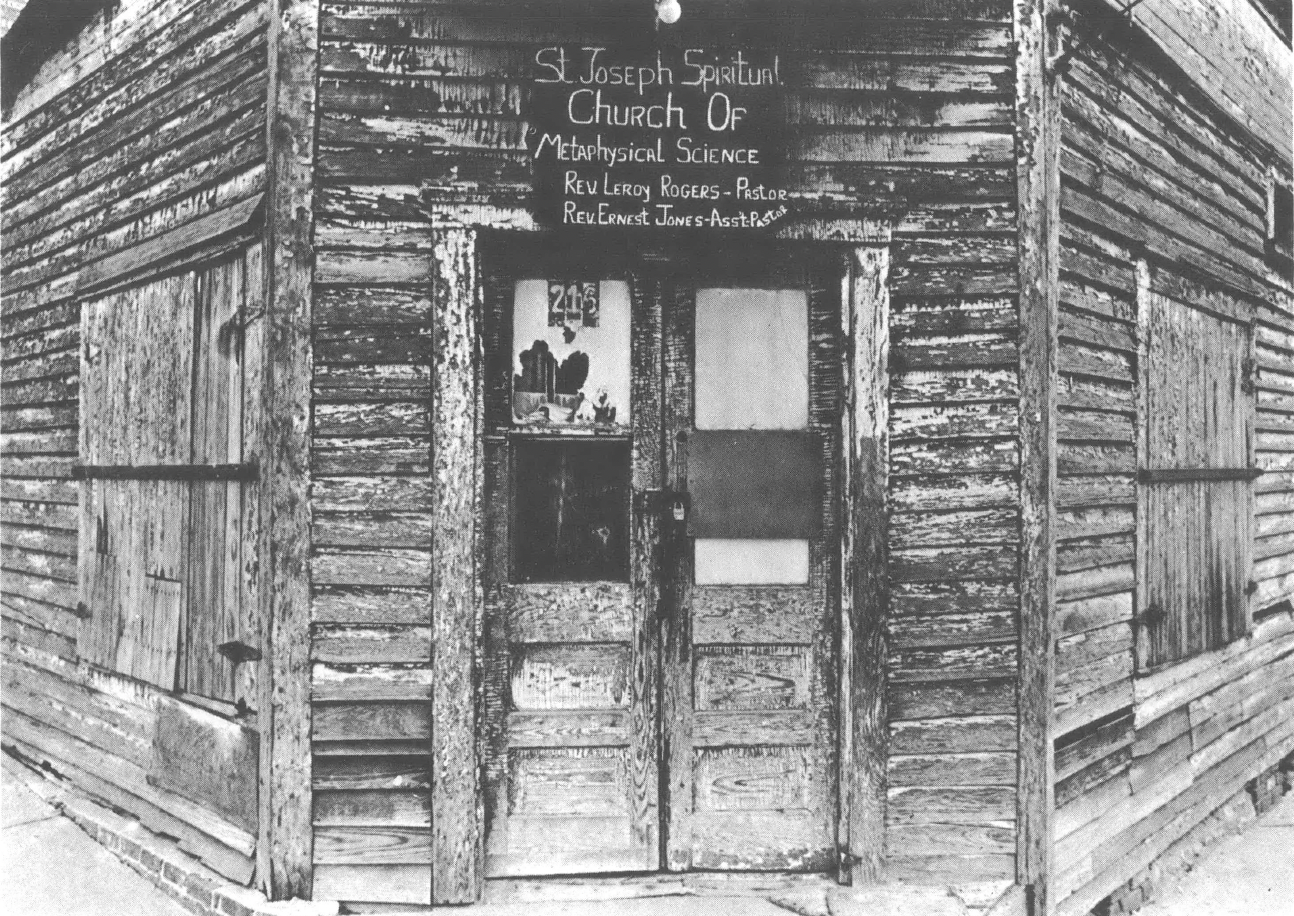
[662,884]
[810,891]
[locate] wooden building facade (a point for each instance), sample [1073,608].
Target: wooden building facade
[938,530]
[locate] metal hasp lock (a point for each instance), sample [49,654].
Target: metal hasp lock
[676,511]
[672,505]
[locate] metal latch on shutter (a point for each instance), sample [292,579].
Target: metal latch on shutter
[238,651]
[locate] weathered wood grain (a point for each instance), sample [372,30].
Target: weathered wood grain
[371,644]
[962,805]
[284,856]
[975,30]
[377,681]
[955,663]
[1038,181]
[41,587]
[683,743]
[948,870]
[1239,66]
[393,883]
[955,698]
[953,597]
[385,493]
[596,612]
[951,629]
[456,600]
[982,769]
[232,147]
[926,480]
[1151,101]
[864,549]
[962,734]
[118,92]
[207,759]
[175,117]
[222,846]
[371,721]
[935,564]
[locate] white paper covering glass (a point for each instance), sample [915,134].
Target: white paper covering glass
[745,561]
[752,359]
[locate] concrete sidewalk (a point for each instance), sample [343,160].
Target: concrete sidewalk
[50,867]
[1250,874]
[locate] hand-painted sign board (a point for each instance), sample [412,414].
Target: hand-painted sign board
[657,137]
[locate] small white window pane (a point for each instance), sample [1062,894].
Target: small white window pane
[734,561]
[752,359]
[573,373]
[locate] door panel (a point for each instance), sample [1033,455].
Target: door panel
[748,706]
[570,659]
[655,700]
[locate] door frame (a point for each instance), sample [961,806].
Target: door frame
[861,508]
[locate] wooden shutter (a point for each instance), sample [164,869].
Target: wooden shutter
[163,578]
[136,369]
[214,614]
[1197,490]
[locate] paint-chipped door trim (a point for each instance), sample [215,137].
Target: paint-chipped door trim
[864,590]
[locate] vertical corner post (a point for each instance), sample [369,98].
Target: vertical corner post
[1038,189]
[864,582]
[285,839]
[456,596]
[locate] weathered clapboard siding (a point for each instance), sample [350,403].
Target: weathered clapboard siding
[371,572]
[953,548]
[1151,171]
[168,130]
[149,121]
[1273,552]
[100,731]
[1198,733]
[38,501]
[1095,464]
[1227,48]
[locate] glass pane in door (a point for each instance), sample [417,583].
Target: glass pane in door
[747,637]
[571,511]
[752,372]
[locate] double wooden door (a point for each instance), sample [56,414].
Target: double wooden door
[660,639]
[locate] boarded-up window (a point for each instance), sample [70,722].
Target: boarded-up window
[1196,482]
[165,498]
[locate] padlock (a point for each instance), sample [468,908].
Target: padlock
[680,510]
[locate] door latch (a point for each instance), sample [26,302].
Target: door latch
[672,505]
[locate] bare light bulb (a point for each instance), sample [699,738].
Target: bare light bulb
[668,11]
